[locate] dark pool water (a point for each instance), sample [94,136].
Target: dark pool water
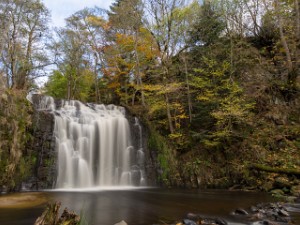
[142,206]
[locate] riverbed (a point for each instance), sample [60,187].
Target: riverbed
[142,206]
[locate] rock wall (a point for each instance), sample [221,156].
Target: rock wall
[151,164]
[43,145]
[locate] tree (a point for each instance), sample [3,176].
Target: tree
[166,31]
[93,27]
[126,17]
[208,26]
[288,39]
[72,51]
[22,56]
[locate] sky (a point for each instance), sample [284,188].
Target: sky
[61,9]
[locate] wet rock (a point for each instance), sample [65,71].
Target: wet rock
[260,214]
[283,212]
[121,223]
[212,221]
[253,209]
[240,211]
[271,213]
[43,149]
[264,222]
[257,216]
[221,221]
[3,189]
[189,222]
[192,216]
[207,222]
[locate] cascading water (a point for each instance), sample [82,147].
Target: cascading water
[94,146]
[140,152]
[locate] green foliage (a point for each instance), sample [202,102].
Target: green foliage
[223,97]
[165,157]
[209,24]
[57,85]
[15,123]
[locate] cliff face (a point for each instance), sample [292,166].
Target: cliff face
[140,138]
[43,145]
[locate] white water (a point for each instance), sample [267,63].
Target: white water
[94,148]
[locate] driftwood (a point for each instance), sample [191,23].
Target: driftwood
[51,216]
[265,168]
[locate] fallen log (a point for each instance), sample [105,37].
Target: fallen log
[269,169]
[51,216]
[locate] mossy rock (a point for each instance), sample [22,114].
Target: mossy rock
[278,193]
[295,190]
[282,182]
[267,186]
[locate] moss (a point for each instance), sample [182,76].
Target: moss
[15,123]
[165,156]
[49,162]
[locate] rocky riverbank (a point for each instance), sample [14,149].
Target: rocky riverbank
[278,213]
[261,214]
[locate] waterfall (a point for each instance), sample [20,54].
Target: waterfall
[94,145]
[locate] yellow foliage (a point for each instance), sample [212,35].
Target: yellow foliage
[98,22]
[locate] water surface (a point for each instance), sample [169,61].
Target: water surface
[141,206]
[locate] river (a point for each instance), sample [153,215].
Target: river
[141,206]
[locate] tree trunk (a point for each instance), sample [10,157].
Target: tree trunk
[97,94]
[297,9]
[171,127]
[190,107]
[69,90]
[167,102]
[12,52]
[283,39]
[138,71]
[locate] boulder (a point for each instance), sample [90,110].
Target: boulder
[121,223]
[213,221]
[240,211]
[282,182]
[192,216]
[277,193]
[267,186]
[295,190]
[220,221]
[189,222]
[283,212]
[264,222]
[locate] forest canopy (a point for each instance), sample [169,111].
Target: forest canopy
[212,77]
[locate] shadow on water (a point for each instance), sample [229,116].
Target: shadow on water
[141,206]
